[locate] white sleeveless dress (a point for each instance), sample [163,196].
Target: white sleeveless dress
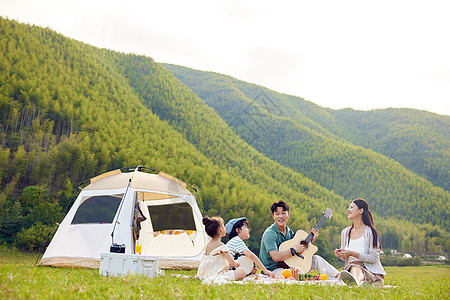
[214,267]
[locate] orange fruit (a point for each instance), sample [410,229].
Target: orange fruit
[287,273]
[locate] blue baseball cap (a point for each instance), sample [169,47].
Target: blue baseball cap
[231,223]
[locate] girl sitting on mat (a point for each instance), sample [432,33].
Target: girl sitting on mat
[215,265]
[238,230]
[360,248]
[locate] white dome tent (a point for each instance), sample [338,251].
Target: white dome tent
[109,210]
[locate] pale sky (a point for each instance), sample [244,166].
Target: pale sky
[358,54]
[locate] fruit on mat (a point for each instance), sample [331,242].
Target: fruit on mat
[287,273]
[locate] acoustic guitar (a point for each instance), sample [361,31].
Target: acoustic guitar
[303,261]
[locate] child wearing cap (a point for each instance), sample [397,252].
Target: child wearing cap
[238,230]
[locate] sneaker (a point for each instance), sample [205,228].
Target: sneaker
[348,278]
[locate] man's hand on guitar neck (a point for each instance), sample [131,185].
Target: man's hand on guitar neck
[315,232]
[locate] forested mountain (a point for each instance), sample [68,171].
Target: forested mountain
[287,134]
[419,140]
[70,111]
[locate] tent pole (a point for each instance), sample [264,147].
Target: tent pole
[120,209]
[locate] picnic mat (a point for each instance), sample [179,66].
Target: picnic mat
[263,279]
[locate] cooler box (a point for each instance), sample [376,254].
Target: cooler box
[117,264]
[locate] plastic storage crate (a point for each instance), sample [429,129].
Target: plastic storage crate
[117,264]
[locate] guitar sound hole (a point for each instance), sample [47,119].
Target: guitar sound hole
[304,244]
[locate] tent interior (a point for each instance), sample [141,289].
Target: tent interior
[170,228]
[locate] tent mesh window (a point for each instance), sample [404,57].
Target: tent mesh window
[172,216]
[97,209]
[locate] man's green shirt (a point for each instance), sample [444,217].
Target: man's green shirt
[272,239]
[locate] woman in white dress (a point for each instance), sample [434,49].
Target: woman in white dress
[360,248]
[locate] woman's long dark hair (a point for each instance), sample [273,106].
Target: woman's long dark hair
[367,220]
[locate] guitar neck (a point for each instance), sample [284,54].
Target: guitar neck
[319,224]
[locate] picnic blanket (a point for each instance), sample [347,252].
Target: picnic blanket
[263,279]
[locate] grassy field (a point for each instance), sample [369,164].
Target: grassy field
[20,279]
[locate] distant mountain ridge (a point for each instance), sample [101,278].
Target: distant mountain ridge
[387,131]
[301,143]
[419,140]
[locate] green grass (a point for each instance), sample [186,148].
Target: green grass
[20,279]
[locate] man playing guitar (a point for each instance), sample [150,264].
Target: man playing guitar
[279,232]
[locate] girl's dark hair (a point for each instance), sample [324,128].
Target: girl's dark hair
[367,220]
[212,225]
[281,204]
[237,225]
